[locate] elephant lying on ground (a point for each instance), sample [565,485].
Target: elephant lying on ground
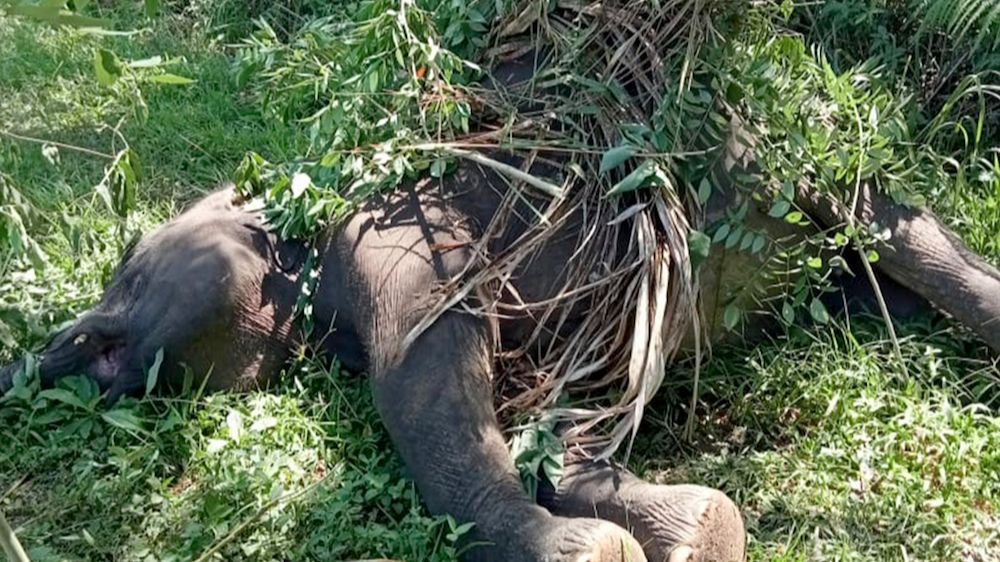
[215,290]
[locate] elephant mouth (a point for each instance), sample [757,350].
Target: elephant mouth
[108,363]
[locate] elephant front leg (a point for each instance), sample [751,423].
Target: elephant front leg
[436,402]
[682,523]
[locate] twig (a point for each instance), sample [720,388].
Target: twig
[869,271]
[505,169]
[692,417]
[13,488]
[79,149]
[215,548]
[9,542]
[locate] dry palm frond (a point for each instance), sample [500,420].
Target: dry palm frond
[606,66]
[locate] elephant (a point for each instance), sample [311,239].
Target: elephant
[215,291]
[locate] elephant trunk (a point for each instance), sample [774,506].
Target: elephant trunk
[8,373]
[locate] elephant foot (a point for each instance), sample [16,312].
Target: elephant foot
[558,539]
[593,540]
[686,523]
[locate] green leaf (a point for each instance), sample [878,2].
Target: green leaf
[552,467]
[151,62]
[438,167]
[634,180]
[795,217]
[780,208]
[787,312]
[123,419]
[168,78]
[731,317]
[54,15]
[734,237]
[64,396]
[616,157]
[699,246]
[704,191]
[872,256]
[154,372]
[721,233]
[815,262]
[788,191]
[818,311]
[758,244]
[107,67]
[152,7]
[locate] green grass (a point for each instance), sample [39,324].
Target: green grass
[834,454]
[831,451]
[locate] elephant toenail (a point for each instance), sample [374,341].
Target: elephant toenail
[682,553]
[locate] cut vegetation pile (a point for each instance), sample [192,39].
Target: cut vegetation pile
[833,452]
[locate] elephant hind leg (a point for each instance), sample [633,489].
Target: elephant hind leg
[683,523]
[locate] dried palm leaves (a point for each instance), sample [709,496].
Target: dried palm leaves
[602,70]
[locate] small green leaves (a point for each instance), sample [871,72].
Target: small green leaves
[795,217]
[616,157]
[704,191]
[787,313]
[634,180]
[107,67]
[731,316]
[699,246]
[734,237]
[537,451]
[456,531]
[721,233]
[123,418]
[63,396]
[780,208]
[818,311]
[438,167]
[153,373]
[167,78]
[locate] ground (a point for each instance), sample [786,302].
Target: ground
[833,450]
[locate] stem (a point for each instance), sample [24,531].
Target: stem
[215,548]
[549,189]
[79,149]
[9,542]
[852,221]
